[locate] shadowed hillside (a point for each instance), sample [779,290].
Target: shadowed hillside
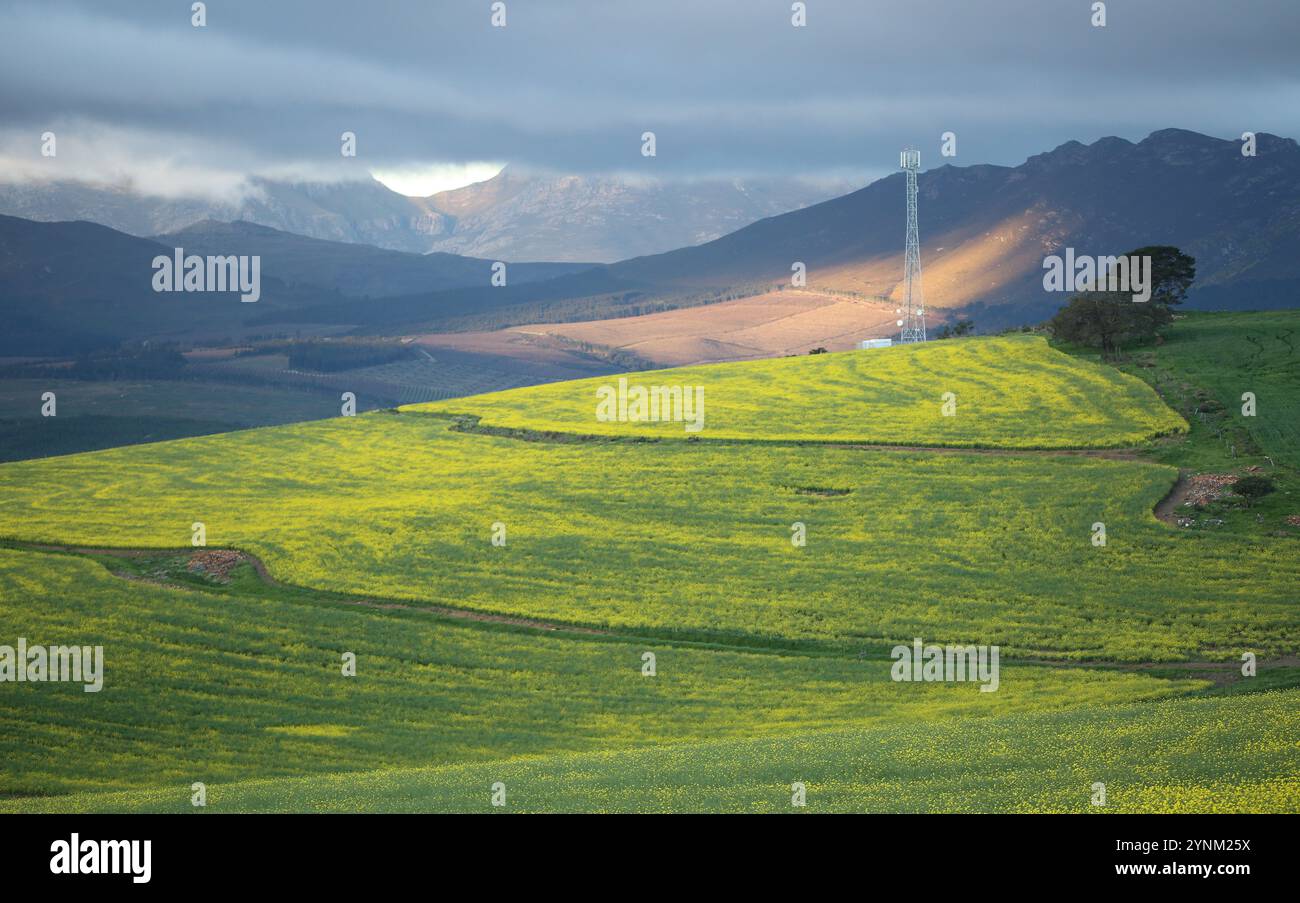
[986,229]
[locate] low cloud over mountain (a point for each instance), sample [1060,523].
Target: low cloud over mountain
[510,217]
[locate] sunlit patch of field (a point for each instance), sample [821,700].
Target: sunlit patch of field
[1012,392]
[788,322]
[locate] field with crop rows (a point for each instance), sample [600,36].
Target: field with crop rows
[523,660]
[1012,392]
[1182,755]
[250,686]
[674,538]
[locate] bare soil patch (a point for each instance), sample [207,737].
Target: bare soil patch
[216,563]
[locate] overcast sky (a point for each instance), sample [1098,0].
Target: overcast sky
[729,87]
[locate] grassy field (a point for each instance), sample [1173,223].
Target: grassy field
[1229,354]
[675,539]
[1202,368]
[1209,754]
[772,658]
[248,684]
[1204,365]
[1008,393]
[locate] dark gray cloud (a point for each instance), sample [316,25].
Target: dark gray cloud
[726,85]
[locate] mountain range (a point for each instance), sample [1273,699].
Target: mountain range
[985,231]
[606,219]
[354,270]
[510,217]
[67,287]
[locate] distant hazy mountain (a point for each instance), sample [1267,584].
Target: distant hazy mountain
[363,212]
[515,217]
[509,217]
[355,270]
[70,287]
[986,229]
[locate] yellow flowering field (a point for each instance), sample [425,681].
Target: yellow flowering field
[693,539]
[1013,392]
[768,575]
[1234,754]
[231,688]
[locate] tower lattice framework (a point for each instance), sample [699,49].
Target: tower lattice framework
[912,323]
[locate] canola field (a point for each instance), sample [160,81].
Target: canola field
[1013,392]
[231,688]
[1177,756]
[693,540]
[768,577]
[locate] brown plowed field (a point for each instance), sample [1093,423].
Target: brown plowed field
[769,325]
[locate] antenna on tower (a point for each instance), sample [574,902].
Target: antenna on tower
[913,309]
